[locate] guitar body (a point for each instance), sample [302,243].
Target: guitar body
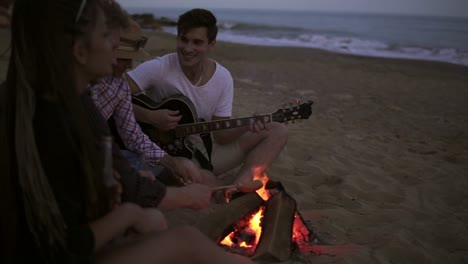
[167,140]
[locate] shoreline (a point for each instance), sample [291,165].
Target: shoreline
[167,37]
[348,42]
[384,55]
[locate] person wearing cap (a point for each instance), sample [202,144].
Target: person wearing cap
[112,97]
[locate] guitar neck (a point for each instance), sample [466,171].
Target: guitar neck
[210,126]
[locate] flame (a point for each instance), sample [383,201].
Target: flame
[300,231]
[255,224]
[251,229]
[260,174]
[227,241]
[243,244]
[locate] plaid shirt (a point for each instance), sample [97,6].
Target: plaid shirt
[112,97]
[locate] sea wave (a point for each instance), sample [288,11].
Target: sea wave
[231,25]
[341,44]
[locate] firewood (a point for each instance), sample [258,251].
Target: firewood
[277,224]
[218,225]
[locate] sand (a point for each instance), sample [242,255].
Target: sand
[380,167]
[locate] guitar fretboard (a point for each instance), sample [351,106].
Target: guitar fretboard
[205,127]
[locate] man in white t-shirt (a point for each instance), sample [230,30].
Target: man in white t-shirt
[210,87]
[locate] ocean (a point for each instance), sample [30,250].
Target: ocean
[380,35]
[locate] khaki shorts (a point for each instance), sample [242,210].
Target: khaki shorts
[223,157]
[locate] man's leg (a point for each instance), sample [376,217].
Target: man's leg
[255,151]
[261,149]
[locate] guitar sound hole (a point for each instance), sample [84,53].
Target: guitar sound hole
[178,143]
[170,147]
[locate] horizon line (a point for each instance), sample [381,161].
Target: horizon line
[308,10]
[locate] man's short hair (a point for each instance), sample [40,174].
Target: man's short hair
[198,18]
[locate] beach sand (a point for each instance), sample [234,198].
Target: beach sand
[381,166]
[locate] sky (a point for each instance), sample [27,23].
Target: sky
[458,8]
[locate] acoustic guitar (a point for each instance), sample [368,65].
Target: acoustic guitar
[174,141]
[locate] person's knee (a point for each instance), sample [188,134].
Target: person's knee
[279,132]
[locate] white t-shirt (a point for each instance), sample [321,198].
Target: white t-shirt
[162,77]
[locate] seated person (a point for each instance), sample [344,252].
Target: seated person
[191,72]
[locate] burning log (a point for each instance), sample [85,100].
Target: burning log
[277,228]
[218,225]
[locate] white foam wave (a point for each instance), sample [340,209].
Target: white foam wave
[348,45]
[227,25]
